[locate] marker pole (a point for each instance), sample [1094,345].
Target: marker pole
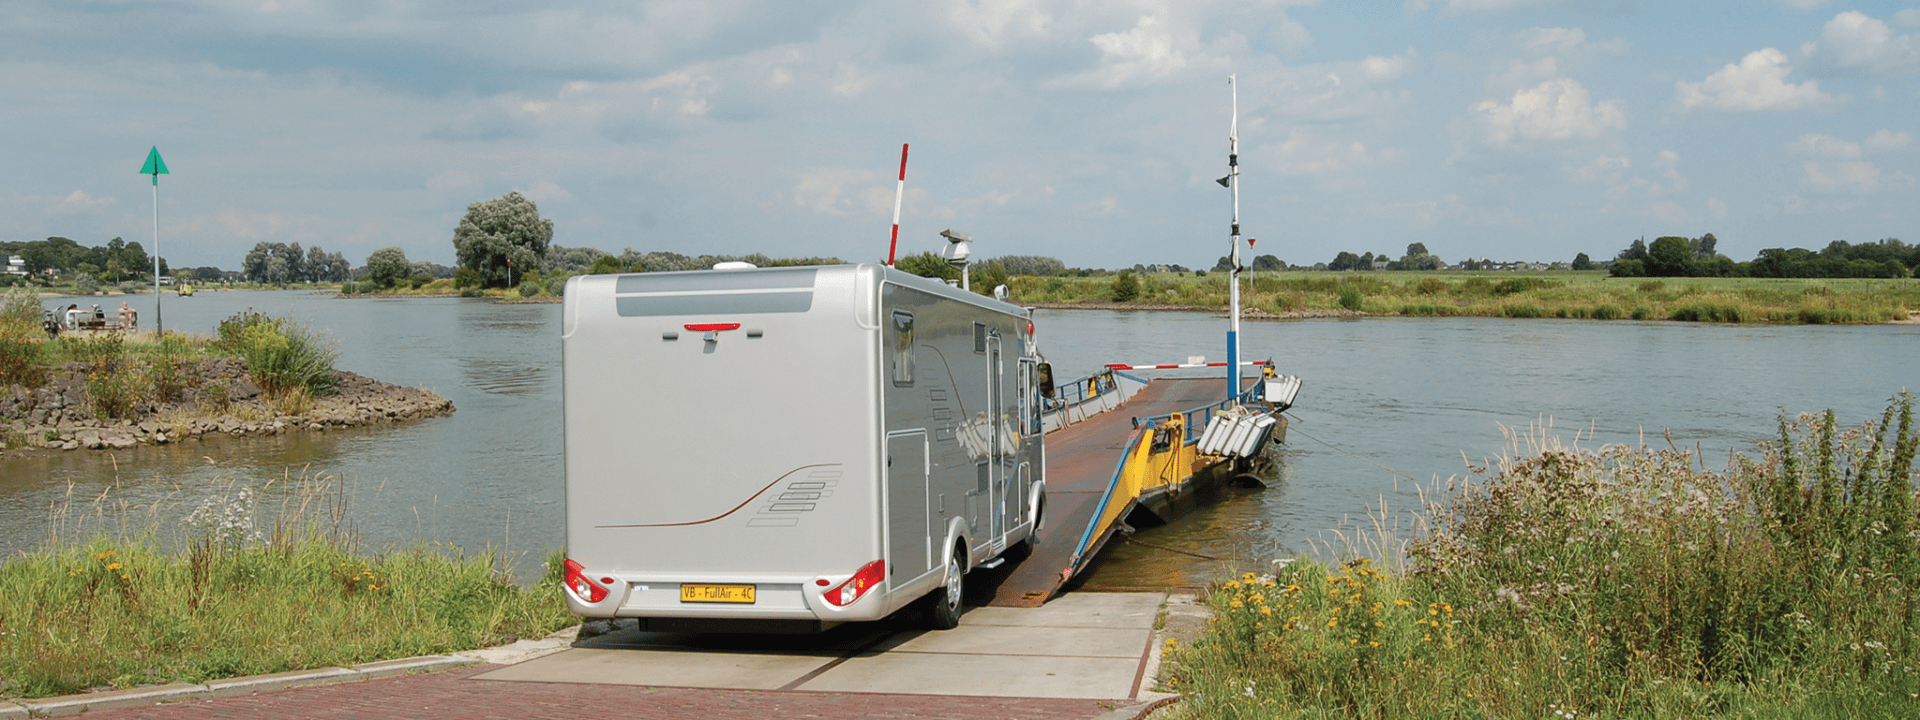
[899,191]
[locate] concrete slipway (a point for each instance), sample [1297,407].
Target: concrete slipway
[1083,645]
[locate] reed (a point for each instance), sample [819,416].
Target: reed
[1619,582]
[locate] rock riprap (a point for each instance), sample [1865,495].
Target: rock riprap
[216,397]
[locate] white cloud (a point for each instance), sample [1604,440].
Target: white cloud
[1463,7]
[1758,82]
[1889,140]
[1553,110]
[1304,153]
[1553,39]
[1802,4]
[1835,165]
[72,203]
[997,23]
[1668,165]
[1854,41]
[1909,17]
[1824,146]
[1149,52]
[838,191]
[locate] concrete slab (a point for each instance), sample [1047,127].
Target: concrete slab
[1032,640]
[1084,645]
[669,668]
[982,675]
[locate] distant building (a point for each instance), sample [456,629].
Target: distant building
[16,265]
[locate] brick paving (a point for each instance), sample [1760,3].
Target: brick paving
[451,694]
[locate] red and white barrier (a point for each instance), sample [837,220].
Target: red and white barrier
[1179,365]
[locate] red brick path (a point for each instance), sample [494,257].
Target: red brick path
[442,695]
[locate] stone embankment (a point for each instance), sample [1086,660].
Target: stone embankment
[217,399]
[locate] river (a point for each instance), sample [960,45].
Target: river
[1390,406]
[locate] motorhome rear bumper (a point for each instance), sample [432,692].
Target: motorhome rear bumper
[784,598]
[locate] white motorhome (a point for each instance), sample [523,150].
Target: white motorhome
[785,449]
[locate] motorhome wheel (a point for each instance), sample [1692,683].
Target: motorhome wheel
[943,605]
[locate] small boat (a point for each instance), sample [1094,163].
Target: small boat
[185,290]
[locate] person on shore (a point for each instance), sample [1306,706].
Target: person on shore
[73,316]
[126,316]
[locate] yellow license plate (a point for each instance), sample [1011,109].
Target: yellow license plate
[716,593]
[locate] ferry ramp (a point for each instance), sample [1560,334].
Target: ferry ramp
[1100,465]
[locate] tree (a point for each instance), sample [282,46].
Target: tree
[496,232]
[387,266]
[1034,265]
[1703,247]
[606,265]
[1670,257]
[1635,251]
[1628,268]
[1268,263]
[1345,261]
[928,265]
[1582,262]
[1416,249]
[984,277]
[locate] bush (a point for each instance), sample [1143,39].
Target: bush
[1522,310]
[1651,286]
[418,281]
[1432,286]
[1350,296]
[529,288]
[1126,288]
[1511,286]
[466,278]
[279,355]
[1709,312]
[1607,312]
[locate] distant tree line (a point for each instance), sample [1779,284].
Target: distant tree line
[1416,258]
[116,261]
[1674,256]
[271,262]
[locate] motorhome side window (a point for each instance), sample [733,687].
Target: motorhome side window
[902,348]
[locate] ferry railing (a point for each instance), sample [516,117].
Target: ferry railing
[1075,401]
[1192,423]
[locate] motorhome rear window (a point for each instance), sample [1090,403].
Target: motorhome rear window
[716,304]
[795,279]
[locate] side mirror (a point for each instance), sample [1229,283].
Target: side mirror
[1046,379]
[1000,293]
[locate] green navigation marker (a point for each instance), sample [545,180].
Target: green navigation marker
[155,166]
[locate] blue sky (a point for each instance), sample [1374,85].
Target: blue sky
[1087,130]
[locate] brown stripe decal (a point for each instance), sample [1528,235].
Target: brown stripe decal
[736,508]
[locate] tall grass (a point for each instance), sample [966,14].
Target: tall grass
[281,355]
[1587,295]
[1623,582]
[234,588]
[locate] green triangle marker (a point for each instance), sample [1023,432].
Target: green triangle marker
[155,166]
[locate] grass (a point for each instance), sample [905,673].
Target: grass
[1623,582]
[1560,294]
[243,590]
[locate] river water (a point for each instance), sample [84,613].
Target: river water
[1390,406]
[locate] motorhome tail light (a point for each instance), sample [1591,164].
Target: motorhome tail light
[576,580]
[1029,328]
[712,327]
[858,585]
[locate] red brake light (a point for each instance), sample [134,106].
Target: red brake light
[576,580]
[858,585]
[713,327]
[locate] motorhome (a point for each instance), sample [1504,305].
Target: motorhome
[786,449]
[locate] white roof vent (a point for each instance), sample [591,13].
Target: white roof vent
[734,265]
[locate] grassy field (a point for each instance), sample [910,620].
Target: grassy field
[248,586]
[1618,583]
[1584,295]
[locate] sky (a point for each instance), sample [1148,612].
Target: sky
[1087,130]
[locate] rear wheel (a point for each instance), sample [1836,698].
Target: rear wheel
[943,605]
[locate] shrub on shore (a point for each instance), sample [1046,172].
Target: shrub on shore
[1624,582]
[280,354]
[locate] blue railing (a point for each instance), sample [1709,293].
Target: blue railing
[1194,422]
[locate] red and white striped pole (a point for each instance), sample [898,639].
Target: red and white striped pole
[899,191]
